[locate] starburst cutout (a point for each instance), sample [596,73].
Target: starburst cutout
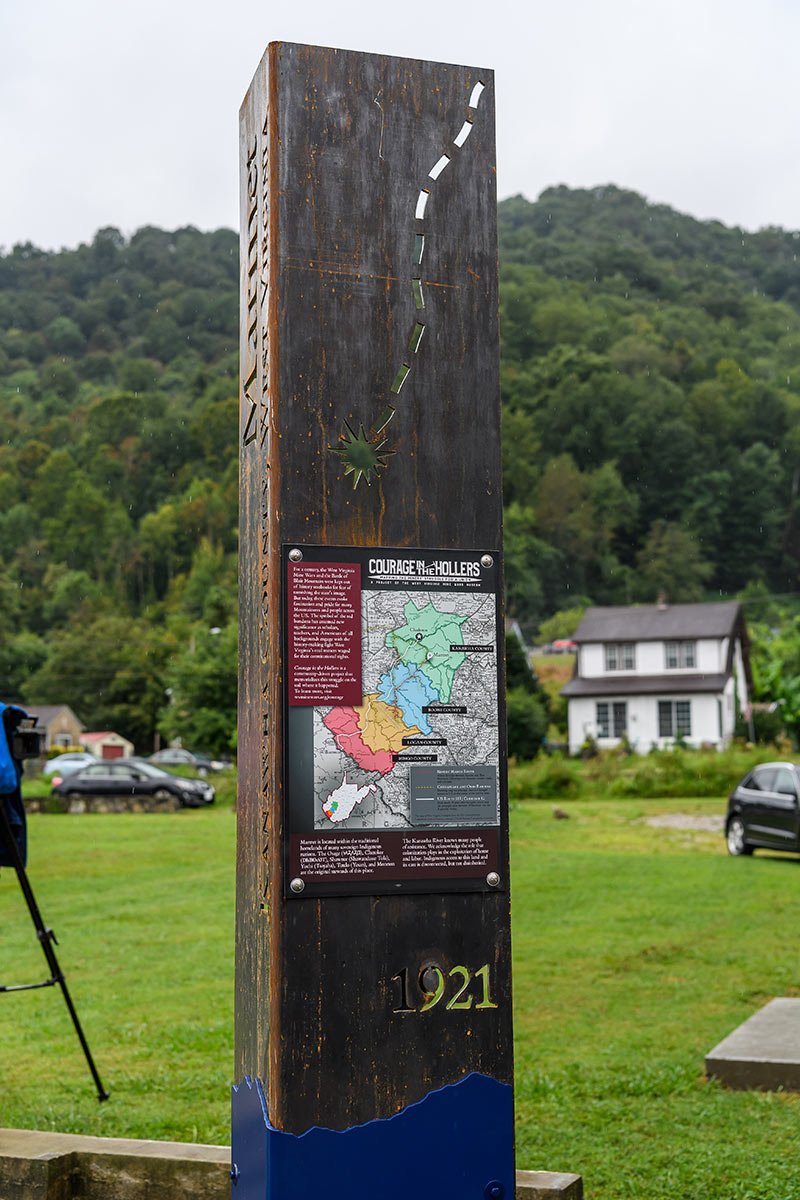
[362,453]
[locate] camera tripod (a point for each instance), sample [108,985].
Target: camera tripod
[47,940]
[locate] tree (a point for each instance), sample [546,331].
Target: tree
[67,593]
[110,671]
[561,625]
[527,723]
[64,336]
[533,569]
[750,533]
[21,653]
[521,450]
[202,710]
[11,610]
[527,706]
[670,563]
[775,661]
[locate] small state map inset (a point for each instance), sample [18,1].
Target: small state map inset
[417,654]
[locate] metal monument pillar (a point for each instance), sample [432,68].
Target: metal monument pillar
[373,975]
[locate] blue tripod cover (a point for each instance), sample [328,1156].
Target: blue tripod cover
[10,776]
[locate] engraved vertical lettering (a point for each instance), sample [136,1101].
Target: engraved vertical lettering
[258,314]
[251,346]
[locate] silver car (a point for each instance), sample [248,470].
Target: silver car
[65,764]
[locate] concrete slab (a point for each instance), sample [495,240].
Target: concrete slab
[547,1185]
[36,1165]
[764,1052]
[33,1142]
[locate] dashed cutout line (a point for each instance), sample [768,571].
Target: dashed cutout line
[436,170]
[363,453]
[463,134]
[476,94]
[438,167]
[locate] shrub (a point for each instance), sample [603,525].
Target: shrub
[527,723]
[669,773]
[551,777]
[767,727]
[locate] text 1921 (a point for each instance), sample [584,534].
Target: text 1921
[459,988]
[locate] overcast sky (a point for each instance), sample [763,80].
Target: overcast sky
[124,112]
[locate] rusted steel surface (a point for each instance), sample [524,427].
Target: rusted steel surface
[336,148]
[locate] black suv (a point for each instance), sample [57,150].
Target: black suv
[764,810]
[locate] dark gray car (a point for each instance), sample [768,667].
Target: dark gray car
[764,810]
[134,777]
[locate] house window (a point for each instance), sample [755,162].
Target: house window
[620,656]
[612,719]
[679,654]
[674,718]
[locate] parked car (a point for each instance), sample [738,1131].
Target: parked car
[185,758]
[764,810]
[134,777]
[65,764]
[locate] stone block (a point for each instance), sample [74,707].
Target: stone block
[45,1176]
[57,1166]
[548,1185]
[60,1166]
[763,1053]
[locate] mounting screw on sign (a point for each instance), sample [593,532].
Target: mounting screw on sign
[297,885]
[493,879]
[296,555]
[234,1173]
[486,560]
[494,1190]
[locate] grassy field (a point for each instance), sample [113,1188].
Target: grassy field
[636,950]
[143,908]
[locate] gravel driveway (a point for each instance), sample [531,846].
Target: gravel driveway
[685,821]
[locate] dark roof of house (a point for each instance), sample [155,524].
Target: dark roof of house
[653,622]
[45,713]
[674,684]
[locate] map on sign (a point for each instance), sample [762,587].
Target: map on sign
[429,697]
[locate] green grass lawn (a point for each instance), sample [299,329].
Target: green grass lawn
[143,908]
[636,950]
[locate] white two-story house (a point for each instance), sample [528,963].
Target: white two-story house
[656,674]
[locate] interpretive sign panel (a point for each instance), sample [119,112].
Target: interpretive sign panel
[392,720]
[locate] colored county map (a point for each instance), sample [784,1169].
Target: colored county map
[407,687]
[409,669]
[425,640]
[370,733]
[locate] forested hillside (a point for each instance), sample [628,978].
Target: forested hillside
[118,481]
[651,387]
[651,393]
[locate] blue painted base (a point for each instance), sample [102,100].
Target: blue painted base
[457,1143]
